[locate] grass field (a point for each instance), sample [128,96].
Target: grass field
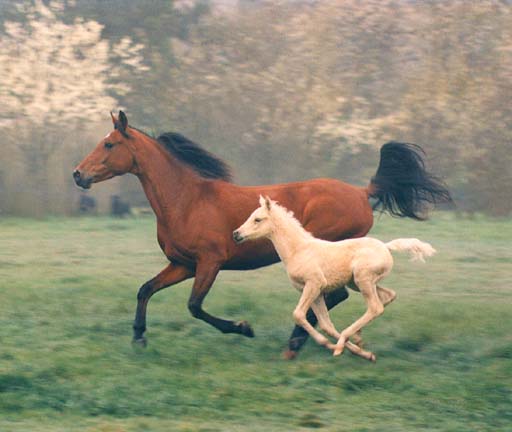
[67,300]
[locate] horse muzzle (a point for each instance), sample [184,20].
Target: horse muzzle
[81,180]
[237,237]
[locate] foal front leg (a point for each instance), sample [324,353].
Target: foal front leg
[310,293]
[325,323]
[299,335]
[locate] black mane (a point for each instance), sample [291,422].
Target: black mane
[202,161]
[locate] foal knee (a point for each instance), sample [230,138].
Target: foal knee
[299,316]
[377,309]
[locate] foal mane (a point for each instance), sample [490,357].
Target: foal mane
[284,213]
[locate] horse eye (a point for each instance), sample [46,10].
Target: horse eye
[108,145]
[257,220]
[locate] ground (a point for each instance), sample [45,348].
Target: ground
[68,294]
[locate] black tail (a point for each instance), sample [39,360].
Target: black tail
[402,186]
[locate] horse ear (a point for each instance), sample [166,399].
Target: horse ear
[114,120]
[123,121]
[262,201]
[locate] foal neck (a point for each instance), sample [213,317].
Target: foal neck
[288,235]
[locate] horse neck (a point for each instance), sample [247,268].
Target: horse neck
[288,236]
[167,183]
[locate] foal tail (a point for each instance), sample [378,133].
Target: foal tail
[402,186]
[417,249]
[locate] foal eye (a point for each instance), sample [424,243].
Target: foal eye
[108,145]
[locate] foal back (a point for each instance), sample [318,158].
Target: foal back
[346,261]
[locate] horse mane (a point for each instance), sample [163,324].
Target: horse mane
[206,164]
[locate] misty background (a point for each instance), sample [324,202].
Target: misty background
[281,90]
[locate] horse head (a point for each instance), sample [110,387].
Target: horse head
[113,156]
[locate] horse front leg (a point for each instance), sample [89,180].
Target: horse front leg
[205,276]
[171,275]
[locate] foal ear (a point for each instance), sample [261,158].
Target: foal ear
[268,203]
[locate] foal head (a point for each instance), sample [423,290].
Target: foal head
[111,157]
[258,225]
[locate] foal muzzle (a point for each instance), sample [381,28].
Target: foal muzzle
[237,237]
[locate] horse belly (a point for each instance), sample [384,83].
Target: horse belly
[252,255]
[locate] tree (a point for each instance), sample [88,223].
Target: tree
[56,77]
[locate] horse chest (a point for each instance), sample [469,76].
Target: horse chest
[175,252]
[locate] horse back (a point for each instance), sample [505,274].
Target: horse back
[329,209]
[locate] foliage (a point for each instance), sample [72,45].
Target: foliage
[56,76]
[283,90]
[60,73]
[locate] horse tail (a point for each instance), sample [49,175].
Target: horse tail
[417,249]
[402,186]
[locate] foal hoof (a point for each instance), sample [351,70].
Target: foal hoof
[338,351]
[245,329]
[140,342]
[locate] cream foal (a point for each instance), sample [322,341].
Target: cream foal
[315,266]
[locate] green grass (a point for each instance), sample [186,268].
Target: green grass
[67,300]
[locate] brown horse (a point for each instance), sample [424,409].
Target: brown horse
[197,209]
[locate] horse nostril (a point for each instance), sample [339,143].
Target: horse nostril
[76,175]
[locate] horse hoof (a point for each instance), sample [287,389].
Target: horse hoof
[140,342]
[245,329]
[372,358]
[290,355]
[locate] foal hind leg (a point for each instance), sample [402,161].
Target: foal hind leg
[172,274]
[386,296]
[325,323]
[368,289]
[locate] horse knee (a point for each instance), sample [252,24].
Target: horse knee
[144,291]
[194,308]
